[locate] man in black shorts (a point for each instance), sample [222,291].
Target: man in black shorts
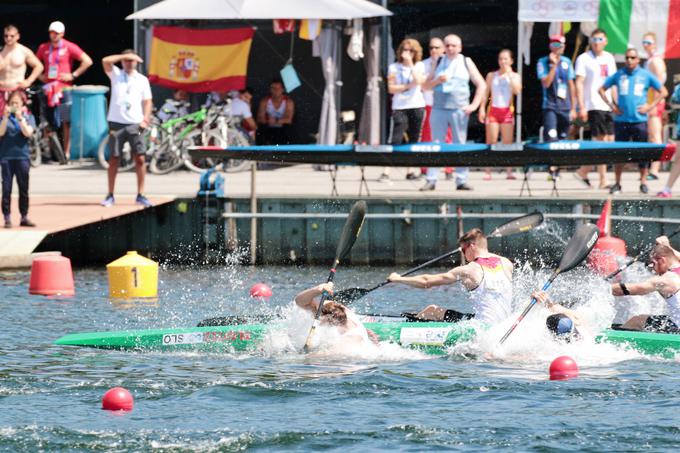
[592,69]
[666,283]
[129,113]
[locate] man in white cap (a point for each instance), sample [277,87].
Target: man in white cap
[57,55]
[14,58]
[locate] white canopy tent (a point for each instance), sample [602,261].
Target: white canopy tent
[260,9]
[531,11]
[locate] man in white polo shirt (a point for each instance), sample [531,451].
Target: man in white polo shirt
[129,113]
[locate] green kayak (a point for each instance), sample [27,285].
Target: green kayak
[430,337]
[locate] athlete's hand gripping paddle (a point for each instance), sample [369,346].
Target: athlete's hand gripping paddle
[636,258]
[349,235]
[578,248]
[519,225]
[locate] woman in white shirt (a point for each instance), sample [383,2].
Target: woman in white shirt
[404,80]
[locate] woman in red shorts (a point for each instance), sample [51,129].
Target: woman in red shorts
[503,85]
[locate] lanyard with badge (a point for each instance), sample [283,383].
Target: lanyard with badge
[560,75]
[53,68]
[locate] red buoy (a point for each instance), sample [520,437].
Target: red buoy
[260,290]
[51,276]
[117,399]
[603,259]
[563,367]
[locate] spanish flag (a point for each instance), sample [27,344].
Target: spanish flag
[200,60]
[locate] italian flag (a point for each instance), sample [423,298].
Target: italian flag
[626,21]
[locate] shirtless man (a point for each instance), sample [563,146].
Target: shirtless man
[666,283]
[335,315]
[14,58]
[657,66]
[488,278]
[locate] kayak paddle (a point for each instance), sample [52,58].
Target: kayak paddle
[579,246]
[349,235]
[519,225]
[636,258]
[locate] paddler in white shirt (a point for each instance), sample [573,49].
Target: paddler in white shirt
[487,277]
[666,283]
[335,315]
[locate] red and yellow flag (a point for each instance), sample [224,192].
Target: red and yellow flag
[199,60]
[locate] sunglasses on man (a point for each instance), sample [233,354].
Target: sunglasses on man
[597,40]
[647,42]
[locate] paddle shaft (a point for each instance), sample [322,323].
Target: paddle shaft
[635,259]
[530,306]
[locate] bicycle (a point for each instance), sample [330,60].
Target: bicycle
[44,141]
[127,162]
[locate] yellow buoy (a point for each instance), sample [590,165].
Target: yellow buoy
[133,276]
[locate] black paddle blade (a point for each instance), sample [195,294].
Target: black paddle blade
[349,295]
[351,230]
[579,246]
[519,225]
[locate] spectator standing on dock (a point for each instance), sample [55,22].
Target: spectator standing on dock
[657,66]
[592,69]
[275,116]
[502,85]
[404,80]
[556,74]
[675,169]
[430,64]
[57,56]
[16,127]
[630,121]
[129,112]
[14,59]
[451,105]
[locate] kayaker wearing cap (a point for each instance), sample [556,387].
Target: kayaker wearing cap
[336,316]
[487,276]
[666,283]
[564,323]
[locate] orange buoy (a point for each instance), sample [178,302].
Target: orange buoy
[563,367]
[117,399]
[603,257]
[51,276]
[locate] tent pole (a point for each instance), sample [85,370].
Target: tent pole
[520,71]
[384,39]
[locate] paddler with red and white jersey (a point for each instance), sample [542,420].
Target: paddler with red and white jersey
[345,327]
[667,283]
[487,277]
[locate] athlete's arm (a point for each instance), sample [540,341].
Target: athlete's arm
[288,114]
[639,289]
[515,83]
[580,82]
[548,79]
[307,298]
[430,280]
[481,115]
[33,61]
[262,112]
[85,63]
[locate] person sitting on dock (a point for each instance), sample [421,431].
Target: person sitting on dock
[336,315]
[666,283]
[487,276]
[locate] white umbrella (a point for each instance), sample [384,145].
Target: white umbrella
[260,9]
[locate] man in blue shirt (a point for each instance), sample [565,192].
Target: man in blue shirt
[630,121]
[556,74]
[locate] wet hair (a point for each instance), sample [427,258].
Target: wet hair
[662,251]
[415,46]
[598,31]
[334,313]
[20,93]
[475,236]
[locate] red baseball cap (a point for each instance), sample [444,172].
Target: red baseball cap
[558,38]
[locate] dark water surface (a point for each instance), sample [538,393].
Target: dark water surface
[51,396]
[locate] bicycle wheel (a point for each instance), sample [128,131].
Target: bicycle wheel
[236,138]
[164,159]
[127,162]
[197,138]
[55,148]
[36,150]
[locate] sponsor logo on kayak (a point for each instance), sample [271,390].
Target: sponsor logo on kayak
[425,148]
[172,339]
[566,146]
[432,336]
